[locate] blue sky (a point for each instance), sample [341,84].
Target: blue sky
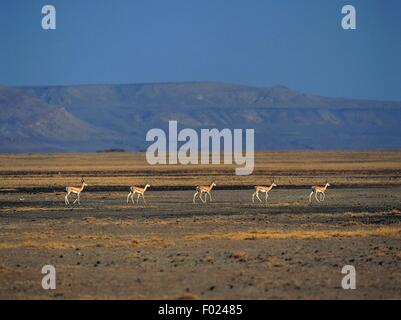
[298,43]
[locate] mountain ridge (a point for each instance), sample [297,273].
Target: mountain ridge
[118,116]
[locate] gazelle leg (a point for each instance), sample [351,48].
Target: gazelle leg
[143,197]
[137,199]
[253,197]
[75,199]
[129,194]
[267,195]
[317,199]
[323,197]
[210,196]
[310,197]
[257,196]
[132,198]
[66,199]
[196,193]
[203,200]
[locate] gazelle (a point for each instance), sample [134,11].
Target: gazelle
[76,190]
[263,190]
[204,190]
[319,190]
[139,191]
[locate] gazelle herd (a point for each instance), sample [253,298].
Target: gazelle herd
[319,192]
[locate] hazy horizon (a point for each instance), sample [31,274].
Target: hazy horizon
[192,82]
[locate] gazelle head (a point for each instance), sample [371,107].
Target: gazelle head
[83,182]
[213,184]
[147,185]
[273,184]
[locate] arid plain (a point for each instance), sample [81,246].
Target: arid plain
[171,248]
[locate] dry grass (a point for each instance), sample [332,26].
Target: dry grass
[119,162]
[28,209]
[107,221]
[152,241]
[35,244]
[298,234]
[45,240]
[340,167]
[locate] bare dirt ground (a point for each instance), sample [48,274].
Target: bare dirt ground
[229,249]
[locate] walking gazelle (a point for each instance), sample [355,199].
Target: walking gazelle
[139,191]
[263,190]
[319,190]
[76,190]
[204,190]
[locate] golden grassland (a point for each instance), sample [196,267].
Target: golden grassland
[59,239]
[287,168]
[394,231]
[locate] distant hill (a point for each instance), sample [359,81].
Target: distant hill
[99,117]
[29,124]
